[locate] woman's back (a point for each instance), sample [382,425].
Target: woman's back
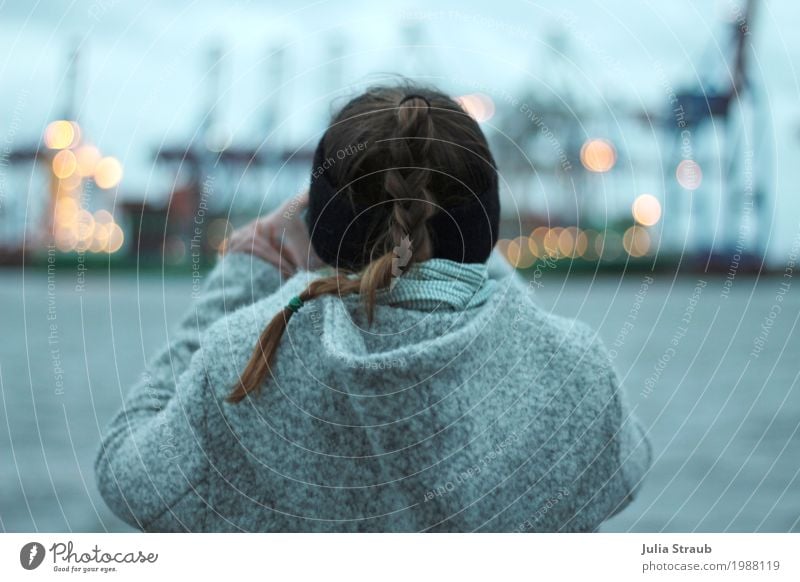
[400,390]
[483,413]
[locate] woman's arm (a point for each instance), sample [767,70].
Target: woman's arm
[237,280]
[635,452]
[615,444]
[152,459]
[152,455]
[631,453]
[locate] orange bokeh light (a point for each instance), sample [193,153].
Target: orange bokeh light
[61,134]
[636,241]
[87,157]
[115,238]
[646,210]
[598,155]
[479,106]
[107,173]
[64,164]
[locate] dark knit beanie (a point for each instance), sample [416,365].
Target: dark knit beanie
[342,230]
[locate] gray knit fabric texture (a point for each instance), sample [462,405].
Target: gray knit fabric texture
[494,418]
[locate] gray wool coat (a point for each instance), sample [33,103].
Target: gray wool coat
[497,418]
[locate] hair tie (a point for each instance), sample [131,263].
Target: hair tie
[415,96]
[294,304]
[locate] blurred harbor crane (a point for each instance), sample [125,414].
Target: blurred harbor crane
[721,119]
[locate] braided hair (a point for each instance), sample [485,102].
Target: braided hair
[399,162]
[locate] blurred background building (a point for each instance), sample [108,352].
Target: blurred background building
[653,143]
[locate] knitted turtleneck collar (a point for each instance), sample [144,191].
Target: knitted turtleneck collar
[433,285]
[436,284]
[439,284]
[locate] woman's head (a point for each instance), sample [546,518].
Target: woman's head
[400,170]
[399,162]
